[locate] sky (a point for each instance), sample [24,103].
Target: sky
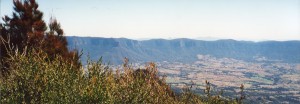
[145,19]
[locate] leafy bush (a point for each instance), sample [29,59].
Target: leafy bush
[34,78]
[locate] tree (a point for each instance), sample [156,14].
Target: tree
[26,29]
[56,44]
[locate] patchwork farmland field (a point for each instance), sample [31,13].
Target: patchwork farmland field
[265,81]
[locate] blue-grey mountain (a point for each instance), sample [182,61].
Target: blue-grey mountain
[114,50]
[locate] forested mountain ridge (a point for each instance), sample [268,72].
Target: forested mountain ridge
[113,50]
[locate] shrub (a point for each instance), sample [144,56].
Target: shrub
[35,78]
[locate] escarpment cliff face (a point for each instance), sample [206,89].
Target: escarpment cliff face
[113,50]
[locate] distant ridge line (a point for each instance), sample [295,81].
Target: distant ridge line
[217,39]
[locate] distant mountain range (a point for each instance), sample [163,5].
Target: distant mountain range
[114,50]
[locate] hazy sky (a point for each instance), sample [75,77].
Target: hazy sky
[136,19]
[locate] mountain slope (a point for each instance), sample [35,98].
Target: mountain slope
[113,50]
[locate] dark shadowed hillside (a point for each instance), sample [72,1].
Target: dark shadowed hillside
[113,50]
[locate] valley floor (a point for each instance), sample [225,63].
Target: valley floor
[264,81]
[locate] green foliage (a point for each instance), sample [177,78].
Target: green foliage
[34,78]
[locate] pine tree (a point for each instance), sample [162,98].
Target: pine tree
[27,29]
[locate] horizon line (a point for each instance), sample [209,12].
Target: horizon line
[171,38]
